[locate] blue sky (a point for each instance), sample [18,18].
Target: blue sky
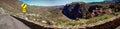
[54,2]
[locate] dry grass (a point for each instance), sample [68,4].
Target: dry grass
[50,15]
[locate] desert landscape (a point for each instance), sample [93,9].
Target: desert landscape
[76,15]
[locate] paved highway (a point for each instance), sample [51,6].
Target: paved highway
[8,22]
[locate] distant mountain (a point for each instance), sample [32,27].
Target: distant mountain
[111,0]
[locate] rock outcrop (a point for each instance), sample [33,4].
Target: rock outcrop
[83,10]
[74,10]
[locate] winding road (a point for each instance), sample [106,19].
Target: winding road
[8,22]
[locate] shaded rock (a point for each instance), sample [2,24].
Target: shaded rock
[115,7]
[74,10]
[82,10]
[94,7]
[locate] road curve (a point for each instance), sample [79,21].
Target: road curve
[8,22]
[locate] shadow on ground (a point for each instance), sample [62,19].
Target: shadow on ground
[30,24]
[109,25]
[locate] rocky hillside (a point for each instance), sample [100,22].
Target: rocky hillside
[84,10]
[34,13]
[83,13]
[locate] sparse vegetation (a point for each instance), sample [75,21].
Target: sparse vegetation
[54,15]
[85,21]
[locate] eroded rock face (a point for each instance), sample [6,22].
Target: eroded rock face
[74,10]
[95,10]
[82,10]
[116,7]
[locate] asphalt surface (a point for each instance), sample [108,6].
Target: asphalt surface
[118,27]
[8,22]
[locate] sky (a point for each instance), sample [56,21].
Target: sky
[54,2]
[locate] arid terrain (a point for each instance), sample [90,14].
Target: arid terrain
[76,15]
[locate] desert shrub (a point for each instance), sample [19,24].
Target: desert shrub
[79,22]
[57,22]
